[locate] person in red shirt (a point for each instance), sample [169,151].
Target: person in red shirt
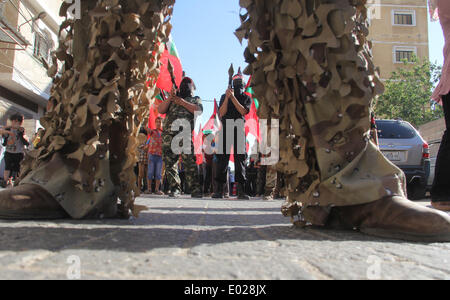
[155,161]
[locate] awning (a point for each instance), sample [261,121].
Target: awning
[10,35]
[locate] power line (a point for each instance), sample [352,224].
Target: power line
[18,10]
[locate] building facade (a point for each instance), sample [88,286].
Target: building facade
[398,30]
[28,34]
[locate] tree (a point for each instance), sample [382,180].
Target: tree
[408,93]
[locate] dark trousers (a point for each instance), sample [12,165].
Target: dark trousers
[224,159]
[441,185]
[251,186]
[224,186]
[208,183]
[261,180]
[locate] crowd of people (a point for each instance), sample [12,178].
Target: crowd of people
[161,170]
[262,181]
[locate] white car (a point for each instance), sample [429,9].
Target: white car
[403,145]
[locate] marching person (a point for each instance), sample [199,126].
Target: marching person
[180,106]
[440,192]
[234,105]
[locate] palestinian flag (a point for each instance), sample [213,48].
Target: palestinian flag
[251,119]
[249,91]
[154,111]
[214,124]
[247,150]
[197,139]
[164,82]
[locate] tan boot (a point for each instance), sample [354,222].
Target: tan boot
[29,202]
[394,217]
[444,206]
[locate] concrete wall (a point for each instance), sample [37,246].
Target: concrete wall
[432,132]
[25,86]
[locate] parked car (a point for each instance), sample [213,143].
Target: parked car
[432,171]
[434,150]
[402,144]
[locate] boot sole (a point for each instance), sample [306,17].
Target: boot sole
[33,215]
[411,237]
[445,207]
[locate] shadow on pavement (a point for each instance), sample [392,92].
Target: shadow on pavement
[163,231]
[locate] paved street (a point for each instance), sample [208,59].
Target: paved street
[208,239]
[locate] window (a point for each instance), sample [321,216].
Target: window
[395,130]
[401,55]
[403,18]
[404,53]
[41,47]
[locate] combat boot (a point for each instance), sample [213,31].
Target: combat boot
[198,195]
[268,197]
[393,217]
[29,202]
[175,194]
[444,206]
[241,192]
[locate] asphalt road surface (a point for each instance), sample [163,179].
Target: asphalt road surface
[208,239]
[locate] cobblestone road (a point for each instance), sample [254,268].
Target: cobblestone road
[208,239]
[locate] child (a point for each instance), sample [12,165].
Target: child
[15,142]
[155,161]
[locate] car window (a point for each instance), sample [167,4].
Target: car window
[395,130]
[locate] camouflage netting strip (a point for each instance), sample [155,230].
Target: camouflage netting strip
[107,57]
[312,69]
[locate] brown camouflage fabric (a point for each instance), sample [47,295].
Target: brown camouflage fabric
[312,69]
[87,155]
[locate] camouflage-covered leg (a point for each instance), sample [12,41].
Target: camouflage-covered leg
[271,182]
[192,176]
[86,157]
[312,68]
[171,166]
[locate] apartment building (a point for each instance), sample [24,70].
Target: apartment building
[398,30]
[28,33]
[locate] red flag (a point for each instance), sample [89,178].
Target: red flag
[197,139]
[252,119]
[232,154]
[214,123]
[247,149]
[152,117]
[252,123]
[154,114]
[164,81]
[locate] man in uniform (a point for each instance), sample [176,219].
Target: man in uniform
[181,106]
[234,105]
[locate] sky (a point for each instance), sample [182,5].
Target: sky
[203,31]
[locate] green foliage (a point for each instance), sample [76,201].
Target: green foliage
[408,93]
